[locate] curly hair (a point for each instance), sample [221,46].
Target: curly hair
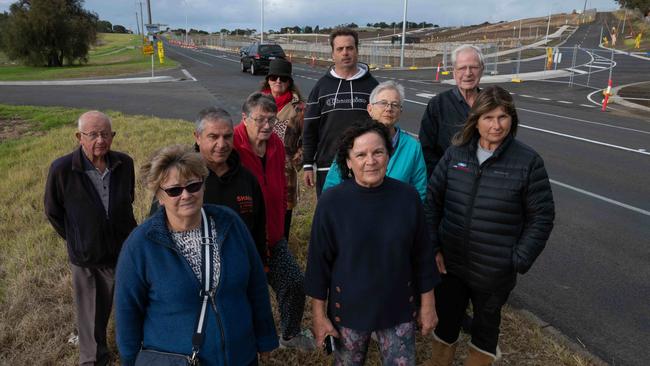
[358,128]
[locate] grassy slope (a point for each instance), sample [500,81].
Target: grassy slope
[36,310]
[115,54]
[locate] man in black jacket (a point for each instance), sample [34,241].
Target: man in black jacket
[228,183]
[88,200]
[340,97]
[446,113]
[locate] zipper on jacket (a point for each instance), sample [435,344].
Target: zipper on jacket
[223,337]
[470,212]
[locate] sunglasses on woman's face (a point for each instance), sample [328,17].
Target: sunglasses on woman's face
[177,191]
[283,79]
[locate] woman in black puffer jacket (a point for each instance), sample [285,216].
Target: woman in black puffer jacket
[490,211]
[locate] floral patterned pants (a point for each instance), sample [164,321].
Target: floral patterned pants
[397,346]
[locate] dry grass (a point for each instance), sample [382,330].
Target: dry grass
[36,310]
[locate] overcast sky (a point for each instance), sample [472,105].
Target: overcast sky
[213,15]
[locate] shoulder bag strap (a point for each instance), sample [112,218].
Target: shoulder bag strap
[207,259]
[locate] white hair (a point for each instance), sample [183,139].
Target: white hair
[81,119]
[467,47]
[387,85]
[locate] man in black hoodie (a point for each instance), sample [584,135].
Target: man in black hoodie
[228,183]
[338,98]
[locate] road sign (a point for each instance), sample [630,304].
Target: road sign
[147,49]
[152,28]
[161,52]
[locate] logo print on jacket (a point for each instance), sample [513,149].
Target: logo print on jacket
[245,204]
[461,166]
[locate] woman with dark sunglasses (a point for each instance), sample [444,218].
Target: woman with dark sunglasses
[159,284]
[280,86]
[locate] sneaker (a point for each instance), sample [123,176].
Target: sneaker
[303,341]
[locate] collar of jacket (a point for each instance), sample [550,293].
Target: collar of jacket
[158,232]
[363,66]
[473,146]
[78,165]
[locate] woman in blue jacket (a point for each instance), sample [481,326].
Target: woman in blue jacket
[158,286]
[407,162]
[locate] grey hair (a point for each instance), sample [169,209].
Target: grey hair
[467,47]
[211,114]
[97,113]
[387,85]
[257,99]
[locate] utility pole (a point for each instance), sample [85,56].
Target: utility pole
[548,26]
[141,18]
[149,11]
[262,22]
[137,23]
[623,28]
[401,54]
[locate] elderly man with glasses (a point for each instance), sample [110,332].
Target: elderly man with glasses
[88,199]
[262,152]
[446,112]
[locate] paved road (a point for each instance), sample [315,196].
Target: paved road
[592,280]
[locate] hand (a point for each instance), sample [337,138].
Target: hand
[308,177]
[322,327]
[427,318]
[264,356]
[440,263]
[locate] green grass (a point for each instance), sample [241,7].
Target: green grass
[36,308]
[114,54]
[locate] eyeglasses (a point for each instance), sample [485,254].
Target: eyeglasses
[177,191]
[385,104]
[95,135]
[283,79]
[464,69]
[262,121]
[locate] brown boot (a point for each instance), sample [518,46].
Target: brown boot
[442,353]
[478,357]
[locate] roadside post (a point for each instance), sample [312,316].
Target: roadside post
[438,72]
[607,93]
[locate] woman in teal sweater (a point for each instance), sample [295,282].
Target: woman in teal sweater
[407,162]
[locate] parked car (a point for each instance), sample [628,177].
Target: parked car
[256,57]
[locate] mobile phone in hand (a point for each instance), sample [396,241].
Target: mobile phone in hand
[329,344]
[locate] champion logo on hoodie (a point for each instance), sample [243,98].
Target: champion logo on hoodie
[334,101]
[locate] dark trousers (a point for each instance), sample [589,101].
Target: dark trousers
[321,175]
[452,297]
[287,281]
[287,223]
[93,297]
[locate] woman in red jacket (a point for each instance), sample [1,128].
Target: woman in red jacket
[262,152]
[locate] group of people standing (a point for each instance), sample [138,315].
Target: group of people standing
[404,235]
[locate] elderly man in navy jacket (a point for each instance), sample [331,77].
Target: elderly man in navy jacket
[88,199]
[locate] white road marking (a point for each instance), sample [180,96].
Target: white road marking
[527,96]
[564,102]
[221,57]
[588,105]
[586,140]
[542,98]
[190,57]
[581,72]
[188,75]
[425,95]
[598,67]
[583,120]
[602,198]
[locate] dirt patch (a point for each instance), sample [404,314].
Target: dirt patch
[11,129]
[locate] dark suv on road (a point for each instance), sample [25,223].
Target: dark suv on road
[256,57]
